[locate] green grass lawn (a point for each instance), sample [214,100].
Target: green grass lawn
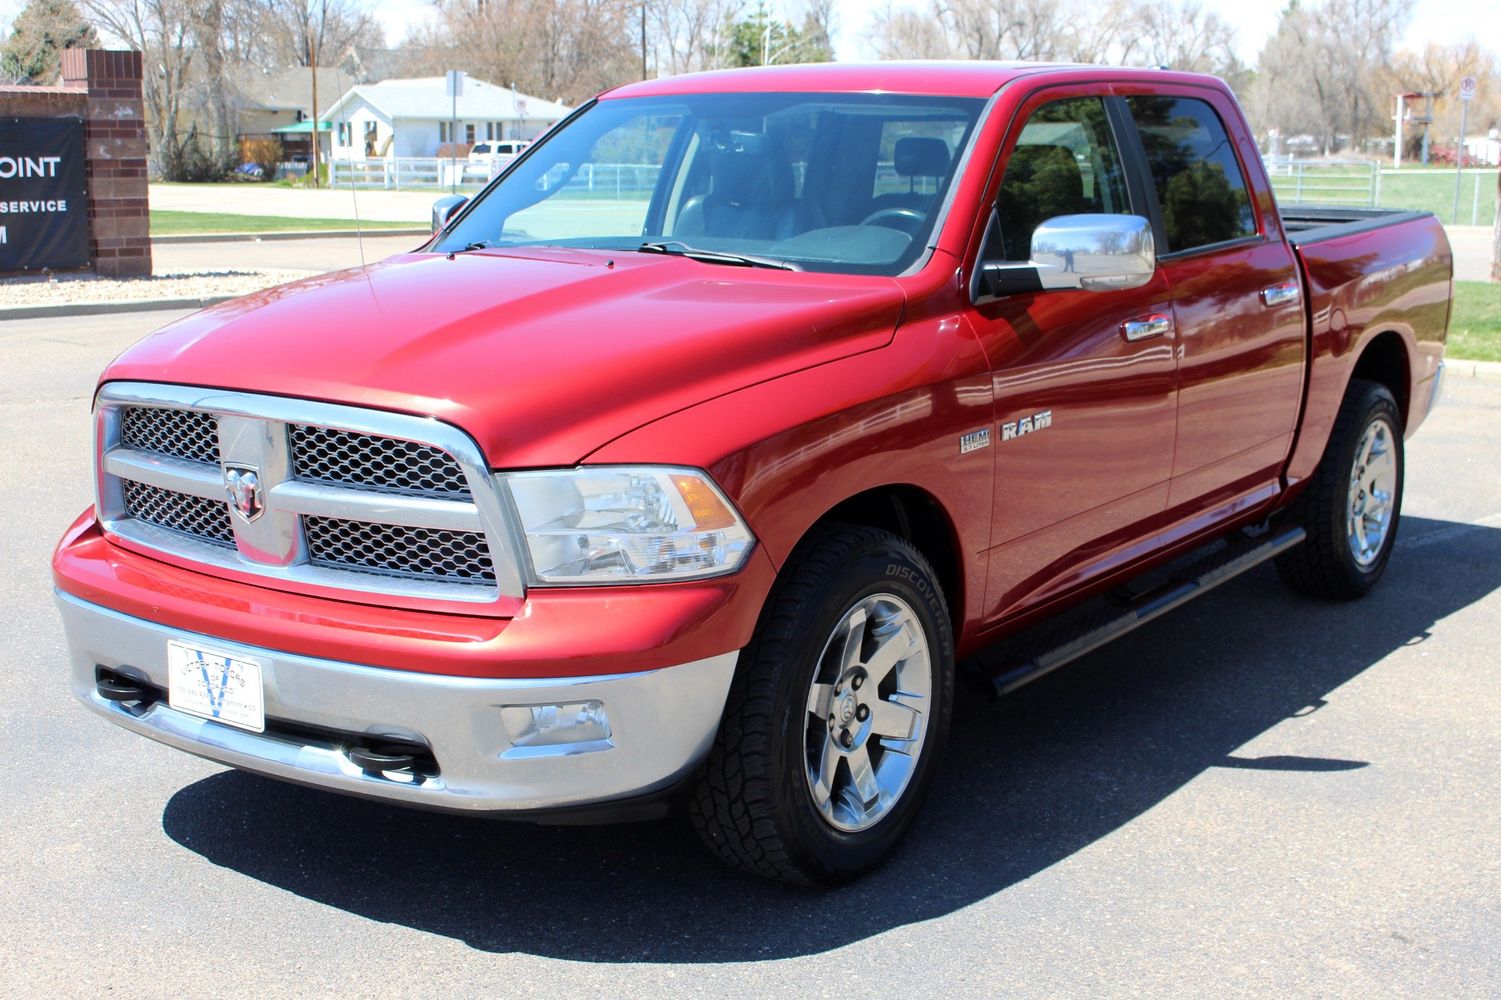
[1426,189]
[1475,325]
[1431,190]
[168,223]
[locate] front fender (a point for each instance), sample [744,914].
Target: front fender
[789,450]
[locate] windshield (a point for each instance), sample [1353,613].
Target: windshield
[823,182]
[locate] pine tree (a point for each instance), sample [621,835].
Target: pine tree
[41,31]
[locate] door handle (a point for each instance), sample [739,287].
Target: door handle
[1155,325]
[1281,294]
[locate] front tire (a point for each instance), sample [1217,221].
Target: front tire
[1353,505]
[837,716]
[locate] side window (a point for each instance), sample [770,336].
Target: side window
[1065,163]
[1199,182]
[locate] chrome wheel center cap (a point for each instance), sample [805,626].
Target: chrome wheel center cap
[846,708]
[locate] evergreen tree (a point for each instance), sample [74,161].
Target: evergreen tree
[32,54]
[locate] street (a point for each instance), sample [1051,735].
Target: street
[1256,795]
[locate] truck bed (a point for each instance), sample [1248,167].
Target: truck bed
[1306,224]
[1363,269]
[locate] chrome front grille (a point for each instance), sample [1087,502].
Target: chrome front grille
[399,550]
[187,434]
[365,461]
[364,501]
[181,512]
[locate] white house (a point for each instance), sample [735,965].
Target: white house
[400,118]
[1485,149]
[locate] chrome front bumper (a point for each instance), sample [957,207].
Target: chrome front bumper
[661,721]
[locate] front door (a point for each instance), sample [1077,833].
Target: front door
[1084,446]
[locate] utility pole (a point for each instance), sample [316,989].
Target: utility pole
[312,47]
[643,39]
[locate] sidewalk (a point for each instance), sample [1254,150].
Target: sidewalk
[304,203]
[237,267]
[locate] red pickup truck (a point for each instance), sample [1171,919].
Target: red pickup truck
[688,459]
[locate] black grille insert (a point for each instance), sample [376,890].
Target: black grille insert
[397,550]
[371,462]
[206,520]
[185,434]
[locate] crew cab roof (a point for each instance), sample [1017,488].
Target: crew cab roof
[954,78]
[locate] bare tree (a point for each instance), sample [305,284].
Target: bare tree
[304,31]
[688,35]
[161,30]
[1177,33]
[557,49]
[1319,72]
[1182,35]
[1437,69]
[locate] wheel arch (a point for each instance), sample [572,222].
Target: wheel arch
[916,515]
[1385,359]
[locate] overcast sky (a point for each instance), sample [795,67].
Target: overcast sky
[1433,21]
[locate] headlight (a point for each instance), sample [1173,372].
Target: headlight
[626,525]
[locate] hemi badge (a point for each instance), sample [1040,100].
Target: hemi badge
[974,440]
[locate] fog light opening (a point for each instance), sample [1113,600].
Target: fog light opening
[533,726]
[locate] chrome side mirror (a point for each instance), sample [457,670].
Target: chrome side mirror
[1097,253]
[446,208]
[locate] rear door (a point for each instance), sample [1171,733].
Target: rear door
[1084,446]
[1236,300]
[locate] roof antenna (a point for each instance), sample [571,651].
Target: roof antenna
[359,230]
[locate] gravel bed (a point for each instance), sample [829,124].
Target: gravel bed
[43,290]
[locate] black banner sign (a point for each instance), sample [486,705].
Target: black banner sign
[44,214]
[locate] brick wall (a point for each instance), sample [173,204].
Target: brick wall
[42,102]
[115,145]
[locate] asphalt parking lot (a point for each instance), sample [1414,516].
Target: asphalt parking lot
[1257,795]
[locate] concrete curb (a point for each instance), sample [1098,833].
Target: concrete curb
[1458,368]
[315,234]
[105,308]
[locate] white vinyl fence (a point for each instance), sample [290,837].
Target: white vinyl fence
[599,179]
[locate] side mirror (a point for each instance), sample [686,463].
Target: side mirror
[1092,252]
[446,208]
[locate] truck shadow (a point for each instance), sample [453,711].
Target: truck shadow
[1026,783]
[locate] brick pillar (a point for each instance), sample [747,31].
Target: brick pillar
[115,144]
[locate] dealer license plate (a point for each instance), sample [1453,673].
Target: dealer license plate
[215,685]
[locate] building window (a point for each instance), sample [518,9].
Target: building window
[442,132]
[343,133]
[469,133]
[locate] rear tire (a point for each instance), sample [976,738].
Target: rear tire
[1353,504]
[837,715]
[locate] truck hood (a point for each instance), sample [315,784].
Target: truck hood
[542,355]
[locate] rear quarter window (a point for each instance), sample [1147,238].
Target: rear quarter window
[1200,186]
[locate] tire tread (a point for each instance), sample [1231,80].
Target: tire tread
[733,805]
[1320,567]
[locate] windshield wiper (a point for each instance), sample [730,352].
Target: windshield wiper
[677,248]
[479,245]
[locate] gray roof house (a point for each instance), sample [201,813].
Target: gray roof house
[400,118]
[269,101]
